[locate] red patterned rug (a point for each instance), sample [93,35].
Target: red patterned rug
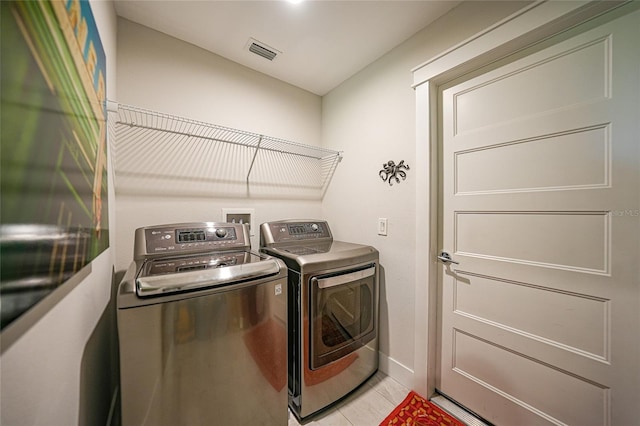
[417,411]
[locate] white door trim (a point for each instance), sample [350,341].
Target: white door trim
[534,23]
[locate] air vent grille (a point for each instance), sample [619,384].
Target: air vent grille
[262,49]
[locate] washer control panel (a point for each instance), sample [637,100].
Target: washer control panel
[187,238]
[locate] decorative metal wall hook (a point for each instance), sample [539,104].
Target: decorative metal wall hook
[391,171]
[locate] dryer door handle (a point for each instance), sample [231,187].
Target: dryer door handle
[344,278]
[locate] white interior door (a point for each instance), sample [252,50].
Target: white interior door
[540,205]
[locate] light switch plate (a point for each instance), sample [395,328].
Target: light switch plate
[382,226]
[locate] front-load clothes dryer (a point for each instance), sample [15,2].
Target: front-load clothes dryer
[332,311]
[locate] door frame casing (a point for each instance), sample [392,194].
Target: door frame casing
[534,23]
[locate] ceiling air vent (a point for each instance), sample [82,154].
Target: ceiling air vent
[262,49]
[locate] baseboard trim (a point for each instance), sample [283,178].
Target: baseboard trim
[397,371]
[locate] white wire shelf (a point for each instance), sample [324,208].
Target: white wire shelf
[154,152]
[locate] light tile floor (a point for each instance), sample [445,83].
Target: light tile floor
[367,406]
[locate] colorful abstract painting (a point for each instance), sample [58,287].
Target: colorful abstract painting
[53,176]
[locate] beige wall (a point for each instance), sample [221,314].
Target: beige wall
[62,370]
[161,73]
[371,117]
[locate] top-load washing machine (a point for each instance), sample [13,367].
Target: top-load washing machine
[202,327]
[332,311]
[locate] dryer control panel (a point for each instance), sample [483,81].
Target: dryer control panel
[291,231]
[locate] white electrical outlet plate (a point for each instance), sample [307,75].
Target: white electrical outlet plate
[240,215]
[382,226]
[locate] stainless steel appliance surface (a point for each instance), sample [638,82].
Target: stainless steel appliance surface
[202,329]
[332,311]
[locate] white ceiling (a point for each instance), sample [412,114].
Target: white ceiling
[323,42]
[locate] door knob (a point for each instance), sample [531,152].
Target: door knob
[446,258]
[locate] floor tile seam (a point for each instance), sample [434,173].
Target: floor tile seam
[338,409]
[369,387]
[348,400]
[393,404]
[384,397]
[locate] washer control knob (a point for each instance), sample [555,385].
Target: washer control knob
[314,227]
[221,232]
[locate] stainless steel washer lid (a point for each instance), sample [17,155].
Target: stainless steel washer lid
[179,274]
